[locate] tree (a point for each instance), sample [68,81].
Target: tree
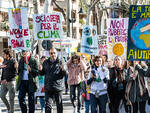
[89,8]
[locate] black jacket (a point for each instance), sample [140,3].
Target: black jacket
[9,72]
[32,74]
[116,87]
[53,75]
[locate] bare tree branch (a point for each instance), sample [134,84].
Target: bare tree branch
[95,2]
[103,9]
[61,9]
[136,1]
[85,3]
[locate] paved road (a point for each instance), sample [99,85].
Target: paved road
[66,102]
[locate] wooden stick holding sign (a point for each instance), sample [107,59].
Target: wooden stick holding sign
[61,52]
[145,28]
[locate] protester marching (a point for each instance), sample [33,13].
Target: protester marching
[108,72]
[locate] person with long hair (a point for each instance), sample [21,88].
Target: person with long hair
[76,69]
[98,80]
[116,85]
[136,91]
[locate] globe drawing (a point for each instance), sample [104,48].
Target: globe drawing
[141,39]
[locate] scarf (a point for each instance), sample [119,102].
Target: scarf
[27,60]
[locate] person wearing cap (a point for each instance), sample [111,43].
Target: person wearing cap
[27,72]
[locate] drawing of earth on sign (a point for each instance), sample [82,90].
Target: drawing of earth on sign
[140,33]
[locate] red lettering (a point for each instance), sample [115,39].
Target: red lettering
[13,43]
[17,43]
[18,35]
[11,32]
[48,26]
[37,19]
[26,32]
[42,26]
[55,26]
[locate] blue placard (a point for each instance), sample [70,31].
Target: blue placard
[138,47]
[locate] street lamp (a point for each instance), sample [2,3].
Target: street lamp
[72,20]
[81,10]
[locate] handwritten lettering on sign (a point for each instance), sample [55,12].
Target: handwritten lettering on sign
[47,26]
[117,37]
[19,29]
[139,33]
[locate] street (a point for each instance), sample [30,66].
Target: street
[66,103]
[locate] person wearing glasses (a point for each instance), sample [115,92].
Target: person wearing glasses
[54,71]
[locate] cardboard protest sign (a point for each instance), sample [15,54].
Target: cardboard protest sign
[102,45]
[47,26]
[41,89]
[19,29]
[139,33]
[117,37]
[89,42]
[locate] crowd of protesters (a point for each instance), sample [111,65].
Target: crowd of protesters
[94,83]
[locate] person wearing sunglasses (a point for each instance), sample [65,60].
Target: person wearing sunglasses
[53,70]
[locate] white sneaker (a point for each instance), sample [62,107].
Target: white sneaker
[43,111]
[7,111]
[74,109]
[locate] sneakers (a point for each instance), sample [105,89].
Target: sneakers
[74,109]
[82,107]
[43,110]
[7,111]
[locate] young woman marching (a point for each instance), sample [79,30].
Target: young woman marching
[116,85]
[98,81]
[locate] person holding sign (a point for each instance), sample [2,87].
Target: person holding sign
[54,71]
[9,68]
[27,72]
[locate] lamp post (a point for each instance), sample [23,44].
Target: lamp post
[81,10]
[72,20]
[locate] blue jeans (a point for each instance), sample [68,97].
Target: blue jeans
[42,102]
[101,101]
[87,104]
[24,88]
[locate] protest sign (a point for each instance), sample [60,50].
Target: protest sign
[19,29]
[89,42]
[47,26]
[139,33]
[102,45]
[41,89]
[117,37]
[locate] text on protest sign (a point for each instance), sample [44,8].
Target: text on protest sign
[117,37]
[139,33]
[102,45]
[19,29]
[89,42]
[47,26]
